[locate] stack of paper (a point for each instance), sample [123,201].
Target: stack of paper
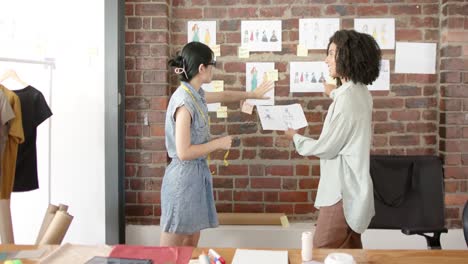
[244,256]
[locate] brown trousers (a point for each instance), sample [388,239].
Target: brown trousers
[332,231]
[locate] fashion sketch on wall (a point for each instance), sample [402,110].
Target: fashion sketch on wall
[307,76]
[261,35]
[255,74]
[382,29]
[202,31]
[314,33]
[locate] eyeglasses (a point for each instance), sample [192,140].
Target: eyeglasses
[213,62]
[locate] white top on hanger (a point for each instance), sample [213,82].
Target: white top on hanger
[11,80]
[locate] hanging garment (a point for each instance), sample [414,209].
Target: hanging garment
[35,110]
[6,114]
[15,137]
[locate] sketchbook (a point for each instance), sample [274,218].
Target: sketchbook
[282,117]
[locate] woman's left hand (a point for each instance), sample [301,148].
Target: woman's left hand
[260,91]
[289,134]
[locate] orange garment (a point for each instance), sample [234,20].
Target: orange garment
[15,137]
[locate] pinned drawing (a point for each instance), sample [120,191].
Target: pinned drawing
[308,76]
[314,33]
[382,29]
[252,72]
[383,81]
[202,31]
[209,87]
[261,35]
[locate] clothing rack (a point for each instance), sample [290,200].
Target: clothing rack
[47,61]
[50,64]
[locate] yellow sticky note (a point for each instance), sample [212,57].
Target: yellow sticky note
[221,112]
[93,52]
[243,52]
[216,50]
[284,221]
[247,108]
[302,50]
[272,75]
[218,86]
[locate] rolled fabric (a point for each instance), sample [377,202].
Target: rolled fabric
[6,226]
[49,215]
[63,207]
[57,229]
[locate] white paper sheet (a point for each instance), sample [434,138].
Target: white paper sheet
[415,57]
[27,254]
[383,81]
[382,29]
[307,76]
[70,253]
[282,117]
[261,35]
[315,33]
[245,256]
[208,87]
[255,74]
[202,31]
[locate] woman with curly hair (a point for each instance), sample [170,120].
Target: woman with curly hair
[345,193]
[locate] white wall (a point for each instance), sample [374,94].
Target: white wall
[278,237]
[72,32]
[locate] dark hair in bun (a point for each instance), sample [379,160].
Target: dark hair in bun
[192,55]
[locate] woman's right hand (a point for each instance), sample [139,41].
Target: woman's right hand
[224,142]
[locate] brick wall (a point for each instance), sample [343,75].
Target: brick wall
[146,54]
[453,106]
[265,174]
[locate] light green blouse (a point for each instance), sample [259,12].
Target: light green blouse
[344,151]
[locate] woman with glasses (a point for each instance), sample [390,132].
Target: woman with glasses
[187,202]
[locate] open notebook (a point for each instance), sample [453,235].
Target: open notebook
[245,256]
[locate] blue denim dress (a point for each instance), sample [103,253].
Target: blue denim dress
[187,202]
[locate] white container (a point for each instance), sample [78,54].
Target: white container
[339,258]
[306,251]
[203,259]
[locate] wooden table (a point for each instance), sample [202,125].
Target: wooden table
[368,256]
[361,256]
[8,247]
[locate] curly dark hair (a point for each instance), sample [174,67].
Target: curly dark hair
[357,56]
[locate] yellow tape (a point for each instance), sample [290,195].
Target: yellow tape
[226,163]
